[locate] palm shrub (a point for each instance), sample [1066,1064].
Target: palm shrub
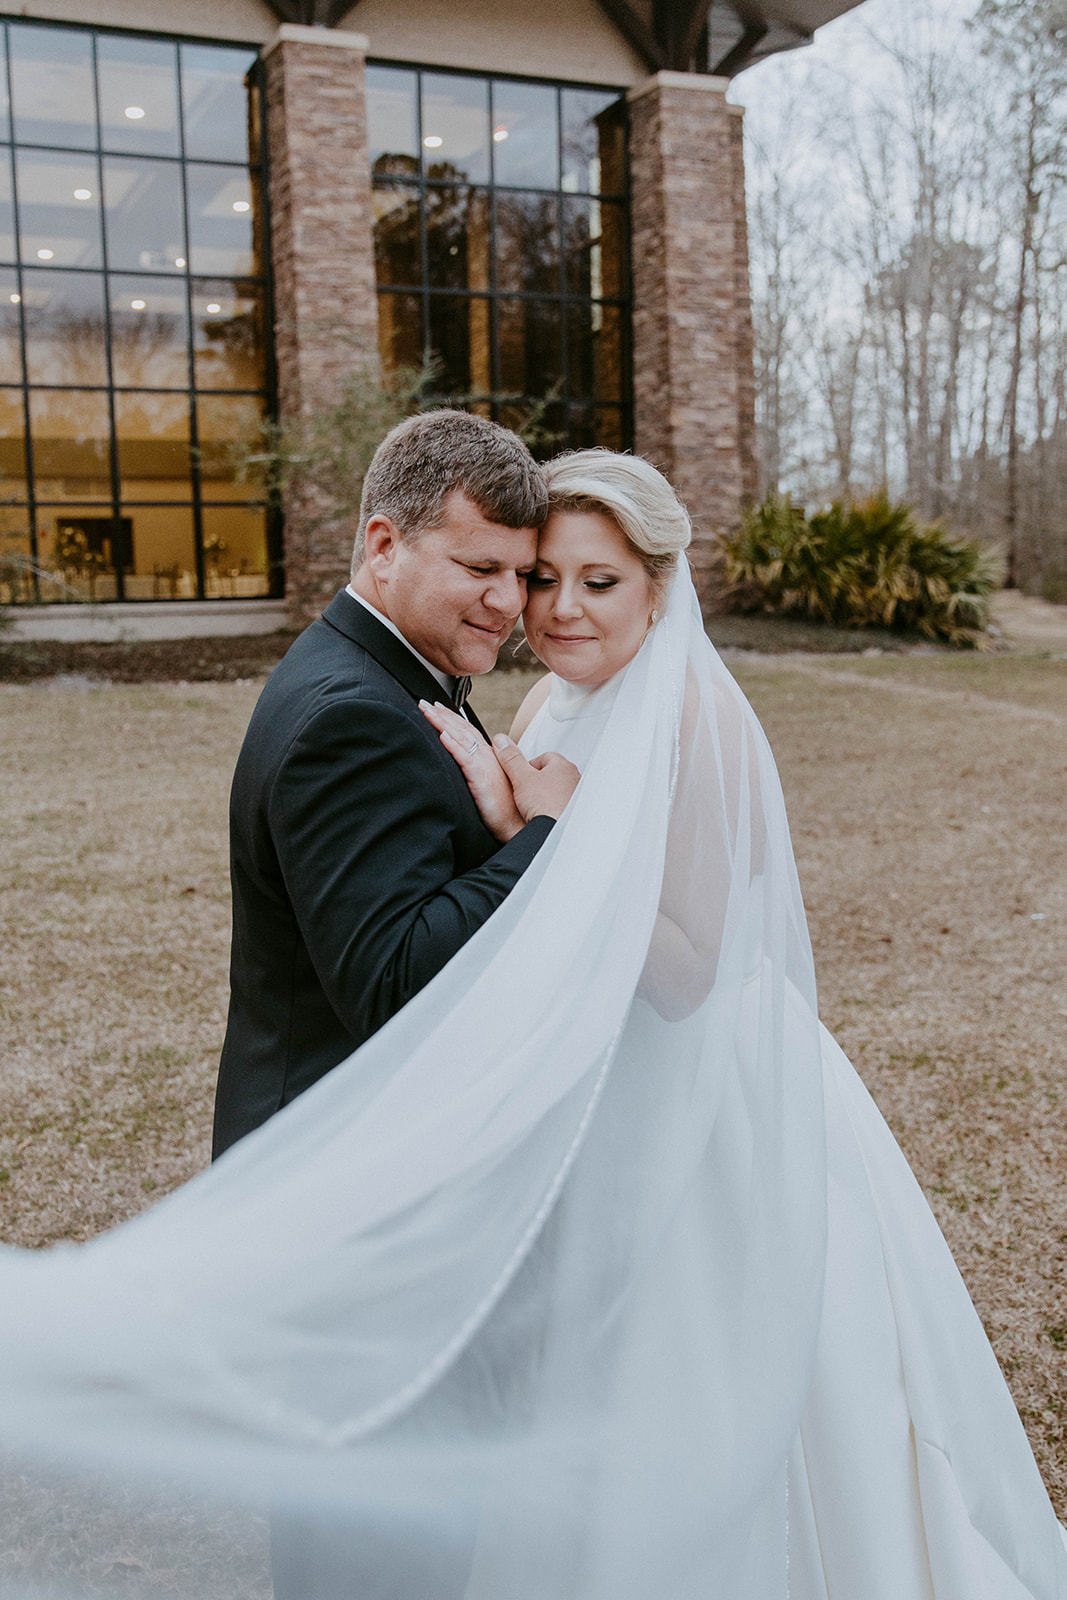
[860,564]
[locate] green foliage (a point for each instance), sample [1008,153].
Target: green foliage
[327,449]
[318,460]
[863,564]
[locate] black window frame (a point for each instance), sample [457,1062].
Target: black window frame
[261,282]
[497,401]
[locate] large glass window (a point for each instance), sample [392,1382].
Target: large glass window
[500,236]
[133,317]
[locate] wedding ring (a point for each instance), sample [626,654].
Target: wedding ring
[471,748]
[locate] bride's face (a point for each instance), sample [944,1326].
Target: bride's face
[589,600]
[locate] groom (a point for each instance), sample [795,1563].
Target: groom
[359,862]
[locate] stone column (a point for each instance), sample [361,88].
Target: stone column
[322,248]
[694,392]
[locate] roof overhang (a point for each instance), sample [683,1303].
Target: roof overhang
[677,35]
[742,32]
[690,36]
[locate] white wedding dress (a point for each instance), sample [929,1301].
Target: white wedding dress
[910,1474]
[595,1275]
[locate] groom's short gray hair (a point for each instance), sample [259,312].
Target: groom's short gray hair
[423,459]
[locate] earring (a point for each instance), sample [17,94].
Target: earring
[653,618]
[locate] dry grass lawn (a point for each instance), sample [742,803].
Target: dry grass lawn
[926,793]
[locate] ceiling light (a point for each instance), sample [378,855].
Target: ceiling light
[83,194]
[137,305]
[433,141]
[214,306]
[499,135]
[14,298]
[179,261]
[242,205]
[45,255]
[135,113]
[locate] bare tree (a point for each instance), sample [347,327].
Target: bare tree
[910,271]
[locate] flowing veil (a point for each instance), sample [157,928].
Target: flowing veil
[534,1278]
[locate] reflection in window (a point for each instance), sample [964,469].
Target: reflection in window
[149,332]
[71,434]
[52,85]
[457,237]
[133,325]
[152,436]
[594,143]
[530,349]
[144,214]
[595,351]
[229,337]
[10,320]
[12,448]
[224,423]
[397,234]
[393,132]
[455,128]
[59,208]
[138,74]
[501,245]
[450,345]
[594,235]
[219,115]
[526,135]
[8,251]
[220,220]
[65,328]
[5,108]
[400,333]
[527,243]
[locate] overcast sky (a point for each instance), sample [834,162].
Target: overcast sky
[845,48]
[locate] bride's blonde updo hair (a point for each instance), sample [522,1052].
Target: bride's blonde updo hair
[631,493]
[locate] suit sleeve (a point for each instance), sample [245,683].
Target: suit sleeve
[364,817]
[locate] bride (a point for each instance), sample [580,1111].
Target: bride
[595,1274]
[909,1474]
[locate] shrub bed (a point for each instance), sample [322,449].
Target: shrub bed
[862,564]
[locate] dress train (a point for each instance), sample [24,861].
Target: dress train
[912,1477]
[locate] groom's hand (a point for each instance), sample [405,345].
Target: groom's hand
[542,787]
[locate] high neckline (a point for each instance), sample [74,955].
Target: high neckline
[568,701]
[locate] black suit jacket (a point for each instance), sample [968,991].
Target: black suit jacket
[358,860]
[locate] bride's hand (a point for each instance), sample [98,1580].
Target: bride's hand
[477,761]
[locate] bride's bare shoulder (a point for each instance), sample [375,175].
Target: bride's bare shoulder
[535,699]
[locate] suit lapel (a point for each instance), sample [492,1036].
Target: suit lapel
[364,629]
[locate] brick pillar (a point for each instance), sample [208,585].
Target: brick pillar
[694,400]
[326,317]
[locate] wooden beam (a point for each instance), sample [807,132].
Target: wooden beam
[287,10]
[738,56]
[311,13]
[635,32]
[690,21]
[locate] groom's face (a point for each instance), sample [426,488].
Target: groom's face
[456,591]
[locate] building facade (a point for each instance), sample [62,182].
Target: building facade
[207,222]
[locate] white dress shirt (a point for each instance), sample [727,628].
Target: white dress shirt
[447,684]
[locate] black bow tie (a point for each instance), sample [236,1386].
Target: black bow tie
[461,688]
